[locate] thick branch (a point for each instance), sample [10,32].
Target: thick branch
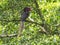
[41,16]
[39,11]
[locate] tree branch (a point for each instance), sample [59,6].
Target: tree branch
[20,20]
[11,35]
[38,11]
[15,35]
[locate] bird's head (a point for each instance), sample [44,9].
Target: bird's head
[27,9]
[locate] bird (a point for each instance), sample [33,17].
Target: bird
[24,16]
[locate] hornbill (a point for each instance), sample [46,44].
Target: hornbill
[24,16]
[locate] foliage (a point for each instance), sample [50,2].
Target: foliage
[11,10]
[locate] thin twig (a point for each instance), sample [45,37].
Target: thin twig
[11,35]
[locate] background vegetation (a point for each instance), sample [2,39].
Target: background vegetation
[45,12]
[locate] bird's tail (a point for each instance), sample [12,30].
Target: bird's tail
[21,27]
